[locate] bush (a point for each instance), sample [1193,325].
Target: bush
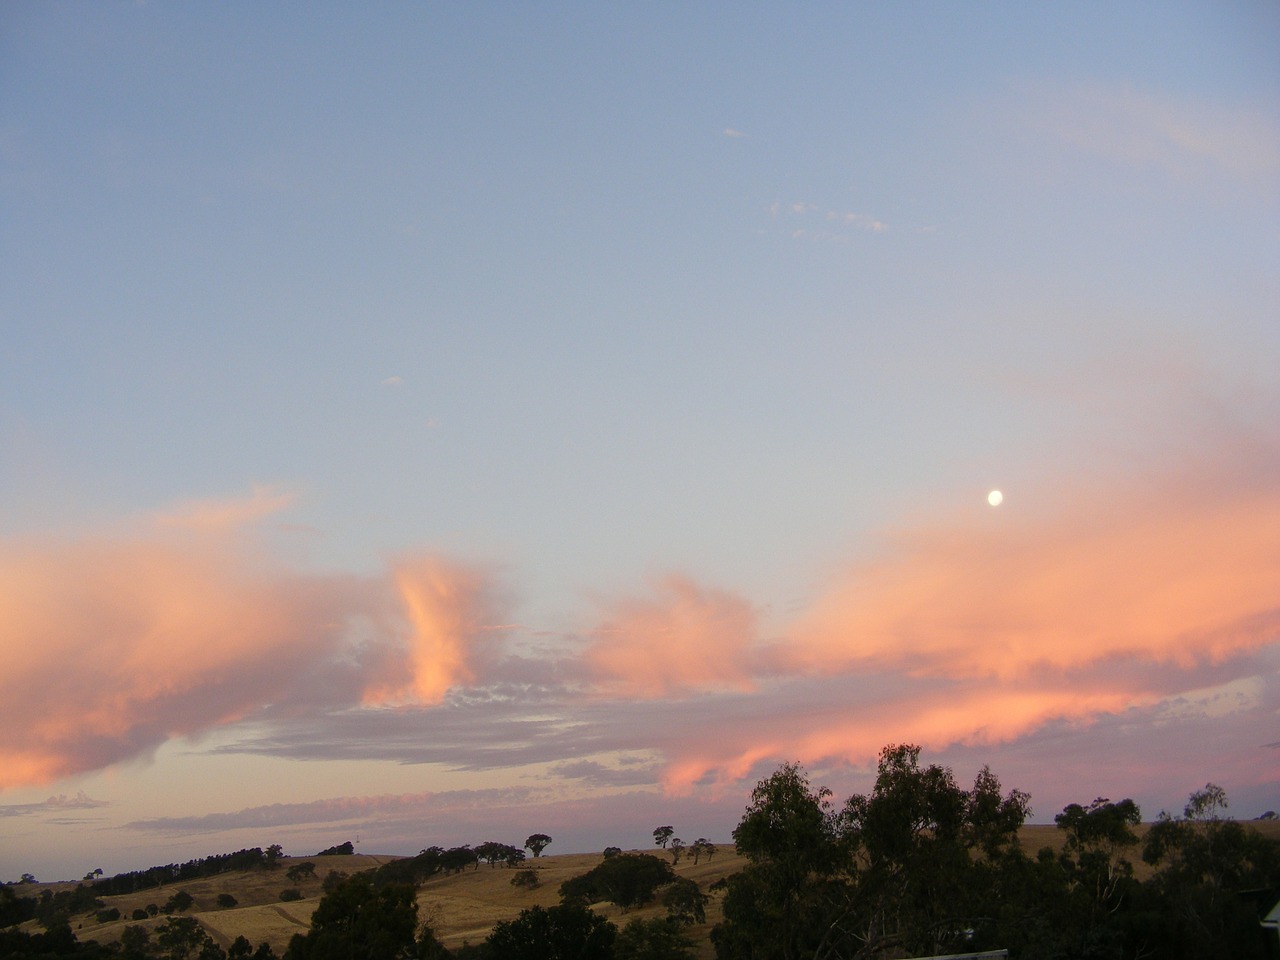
[108,915]
[655,939]
[629,880]
[527,879]
[332,879]
[139,914]
[293,893]
[685,903]
[569,930]
[177,903]
[226,900]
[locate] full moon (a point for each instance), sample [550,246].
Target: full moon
[994,498]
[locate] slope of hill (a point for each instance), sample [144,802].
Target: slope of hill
[462,907]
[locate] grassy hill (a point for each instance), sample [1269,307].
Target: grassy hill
[462,907]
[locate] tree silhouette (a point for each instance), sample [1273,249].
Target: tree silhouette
[537,843]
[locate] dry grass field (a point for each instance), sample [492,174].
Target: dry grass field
[461,908]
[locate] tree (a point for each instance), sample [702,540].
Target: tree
[226,900]
[629,880]
[611,852]
[662,834]
[537,843]
[179,902]
[273,854]
[569,930]
[913,868]
[787,834]
[359,921]
[183,937]
[702,847]
[526,879]
[1205,861]
[677,850]
[654,939]
[685,902]
[300,871]
[494,853]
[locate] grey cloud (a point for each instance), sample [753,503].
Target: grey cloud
[55,804]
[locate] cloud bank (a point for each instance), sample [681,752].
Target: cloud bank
[1158,603]
[183,622]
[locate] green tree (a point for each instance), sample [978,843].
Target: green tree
[1205,862]
[301,871]
[526,879]
[685,902]
[183,937]
[536,843]
[179,902]
[629,880]
[135,942]
[677,850]
[915,867]
[702,847]
[654,939]
[359,921]
[787,834]
[554,933]
[661,835]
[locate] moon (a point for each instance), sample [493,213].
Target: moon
[995,497]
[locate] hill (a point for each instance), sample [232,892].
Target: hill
[462,907]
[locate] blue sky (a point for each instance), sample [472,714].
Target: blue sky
[601,324]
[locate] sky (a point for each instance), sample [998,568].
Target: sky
[437,423]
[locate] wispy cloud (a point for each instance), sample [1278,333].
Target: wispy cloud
[808,219]
[1154,131]
[337,810]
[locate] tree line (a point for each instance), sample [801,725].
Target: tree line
[919,866]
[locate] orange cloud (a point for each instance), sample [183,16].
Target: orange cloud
[985,631]
[446,611]
[1176,575]
[114,645]
[688,637]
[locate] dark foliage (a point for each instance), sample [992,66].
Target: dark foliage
[360,921]
[567,931]
[341,850]
[629,880]
[179,872]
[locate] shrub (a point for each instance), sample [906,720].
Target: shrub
[226,900]
[527,879]
[629,880]
[139,914]
[177,903]
[108,915]
[293,893]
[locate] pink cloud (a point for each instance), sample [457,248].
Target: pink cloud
[1180,573]
[684,638]
[114,645]
[446,609]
